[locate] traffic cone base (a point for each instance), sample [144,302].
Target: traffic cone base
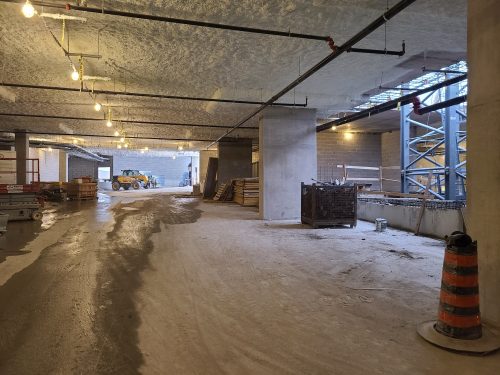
[487,343]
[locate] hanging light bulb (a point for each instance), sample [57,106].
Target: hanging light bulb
[142,151]
[117,133]
[75,76]
[50,149]
[180,148]
[173,157]
[122,139]
[28,9]
[334,128]
[109,123]
[75,141]
[97,106]
[119,146]
[146,148]
[126,145]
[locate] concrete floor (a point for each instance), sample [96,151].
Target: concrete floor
[143,282]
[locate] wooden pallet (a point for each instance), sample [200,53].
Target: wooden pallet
[224,192]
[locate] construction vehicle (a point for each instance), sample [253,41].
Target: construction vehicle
[130,178]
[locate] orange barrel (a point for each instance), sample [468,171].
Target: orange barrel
[458,315]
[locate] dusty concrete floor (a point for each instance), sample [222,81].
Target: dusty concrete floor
[154,284]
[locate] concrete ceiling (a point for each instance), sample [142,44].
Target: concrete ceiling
[155,57]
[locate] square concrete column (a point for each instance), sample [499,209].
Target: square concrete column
[483,149]
[63,166]
[287,157]
[235,159]
[22,144]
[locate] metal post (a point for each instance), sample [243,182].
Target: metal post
[451,127]
[405,149]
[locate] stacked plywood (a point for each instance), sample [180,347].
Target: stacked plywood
[246,191]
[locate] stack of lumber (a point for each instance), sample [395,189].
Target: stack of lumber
[224,193]
[81,191]
[246,191]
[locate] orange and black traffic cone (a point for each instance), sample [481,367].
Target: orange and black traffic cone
[459,319]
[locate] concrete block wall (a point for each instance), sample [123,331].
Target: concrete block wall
[79,167]
[334,149]
[391,151]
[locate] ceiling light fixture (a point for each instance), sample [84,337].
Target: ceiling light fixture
[109,123]
[117,133]
[119,146]
[28,9]
[180,148]
[334,128]
[126,145]
[122,139]
[348,136]
[75,76]
[97,106]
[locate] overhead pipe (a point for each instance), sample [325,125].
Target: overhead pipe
[83,135]
[64,146]
[380,51]
[391,104]
[425,70]
[122,121]
[144,95]
[441,105]
[337,51]
[181,21]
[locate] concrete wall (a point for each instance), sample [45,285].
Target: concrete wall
[235,160]
[435,223]
[287,147]
[483,147]
[334,149]
[168,170]
[390,149]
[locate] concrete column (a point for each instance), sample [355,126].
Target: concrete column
[235,159]
[204,156]
[22,144]
[287,157]
[483,149]
[63,166]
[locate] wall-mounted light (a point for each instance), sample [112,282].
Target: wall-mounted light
[28,9]
[97,106]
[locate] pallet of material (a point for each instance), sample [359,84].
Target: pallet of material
[84,191]
[246,191]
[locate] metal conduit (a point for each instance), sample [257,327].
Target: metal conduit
[211,25]
[387,106]
[122,121]
[399,7]
[145,95]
